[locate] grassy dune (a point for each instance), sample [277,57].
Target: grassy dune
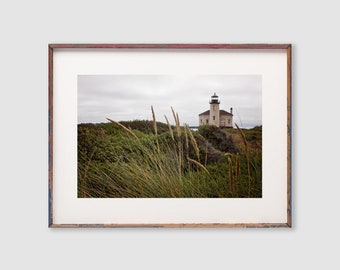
[149,159]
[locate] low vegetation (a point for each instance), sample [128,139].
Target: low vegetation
[149,159]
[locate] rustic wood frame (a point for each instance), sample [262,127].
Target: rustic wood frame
[286,47]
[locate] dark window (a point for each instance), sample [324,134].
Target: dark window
[228,121]
[207,121]
[213,117]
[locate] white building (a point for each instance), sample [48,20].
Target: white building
[215,116]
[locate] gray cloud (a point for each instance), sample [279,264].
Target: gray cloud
[129,97]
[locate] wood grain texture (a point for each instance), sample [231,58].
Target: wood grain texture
[170,46]
[289,134]
[50,135]
[286,47]
[176,225]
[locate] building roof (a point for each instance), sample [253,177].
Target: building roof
[222,112]
[205,113]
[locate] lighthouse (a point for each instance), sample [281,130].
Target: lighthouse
[214,117]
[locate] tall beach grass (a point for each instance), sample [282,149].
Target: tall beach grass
[168,165]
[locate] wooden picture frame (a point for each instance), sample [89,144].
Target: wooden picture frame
[271,61]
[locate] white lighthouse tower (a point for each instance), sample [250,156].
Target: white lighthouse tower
[214,117]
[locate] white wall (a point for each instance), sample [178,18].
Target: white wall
[26,29]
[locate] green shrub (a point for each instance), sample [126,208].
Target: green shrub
[145,126]
[218,138]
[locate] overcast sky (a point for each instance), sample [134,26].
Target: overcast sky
[129,97]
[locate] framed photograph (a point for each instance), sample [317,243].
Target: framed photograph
[170,135]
